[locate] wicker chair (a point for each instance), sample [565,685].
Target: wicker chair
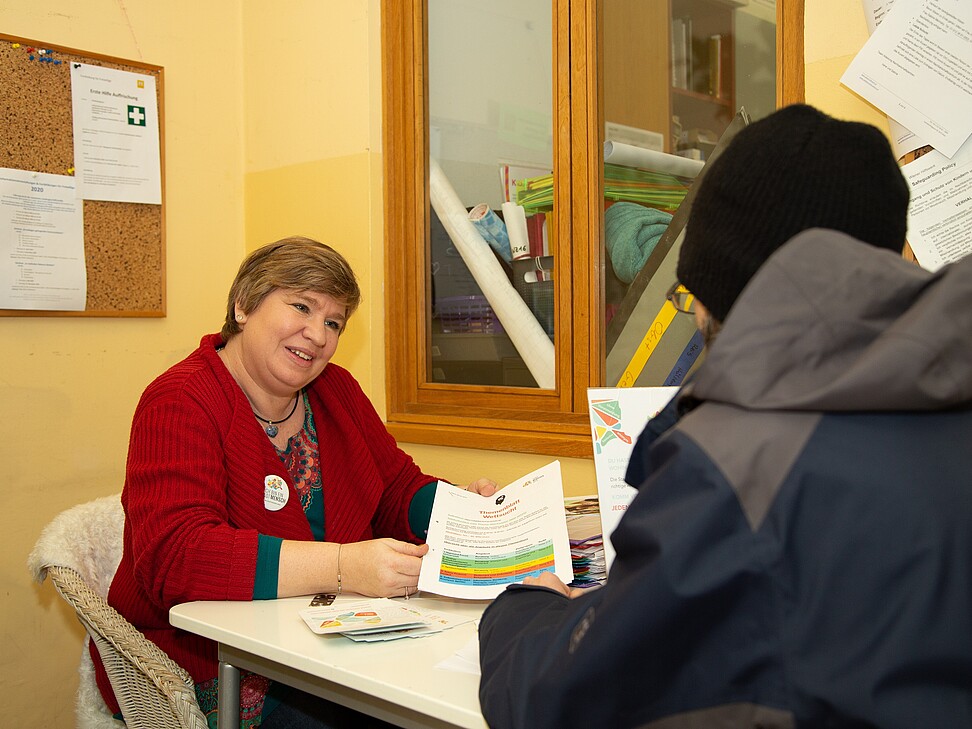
[80,550]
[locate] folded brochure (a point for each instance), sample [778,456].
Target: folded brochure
[480,544]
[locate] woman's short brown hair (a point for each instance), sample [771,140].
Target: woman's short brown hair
[296,263]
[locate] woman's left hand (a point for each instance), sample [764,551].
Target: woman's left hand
[482,486]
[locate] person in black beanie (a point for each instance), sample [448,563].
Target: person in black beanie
[799,553]
[796,169]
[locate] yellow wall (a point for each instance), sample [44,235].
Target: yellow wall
[829,49]
[272,127]
[69,386]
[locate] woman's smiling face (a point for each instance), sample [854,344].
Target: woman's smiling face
[288,339]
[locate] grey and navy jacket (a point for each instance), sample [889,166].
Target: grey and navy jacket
[799,553]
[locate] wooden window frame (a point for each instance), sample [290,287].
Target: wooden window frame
[553,422]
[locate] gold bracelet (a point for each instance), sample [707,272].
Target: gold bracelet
[339,569]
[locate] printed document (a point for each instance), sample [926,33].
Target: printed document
[915,68]
[480,544]
[940,210]
[41,242]
[116,135]
[902,139]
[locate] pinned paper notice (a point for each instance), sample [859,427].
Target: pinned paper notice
[915,68]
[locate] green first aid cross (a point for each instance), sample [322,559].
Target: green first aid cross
[136,116]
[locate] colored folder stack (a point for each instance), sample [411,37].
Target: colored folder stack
[654,189]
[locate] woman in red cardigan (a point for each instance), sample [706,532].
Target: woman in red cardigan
[257,469]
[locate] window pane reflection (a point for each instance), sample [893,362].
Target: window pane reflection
[675,75]
[490,126]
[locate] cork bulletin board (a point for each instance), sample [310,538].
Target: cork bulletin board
[124,243]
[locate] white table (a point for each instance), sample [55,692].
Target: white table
[396,681]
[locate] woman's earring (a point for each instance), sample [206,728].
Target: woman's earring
[239,317]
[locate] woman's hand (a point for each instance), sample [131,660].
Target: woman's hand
[482,486]
[381,567]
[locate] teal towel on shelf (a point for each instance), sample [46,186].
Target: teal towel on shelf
[631,233]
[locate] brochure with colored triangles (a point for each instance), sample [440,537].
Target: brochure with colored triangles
[618,415]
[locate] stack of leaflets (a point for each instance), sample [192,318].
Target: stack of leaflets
[586,542]
[588,560]
[361,617]
[378,619]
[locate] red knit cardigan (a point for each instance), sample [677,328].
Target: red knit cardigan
[194,494]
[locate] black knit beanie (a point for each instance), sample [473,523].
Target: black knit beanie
[795,169]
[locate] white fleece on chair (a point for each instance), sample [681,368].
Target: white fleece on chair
[87,537]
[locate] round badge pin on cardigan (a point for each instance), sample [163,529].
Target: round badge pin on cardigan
[275,493]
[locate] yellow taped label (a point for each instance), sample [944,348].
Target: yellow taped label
[648,344]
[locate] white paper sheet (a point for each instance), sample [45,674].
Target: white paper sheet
[916,69]
[618,415]
[903,140]
[116,135]
[41,242]
[480,544]
[874,12]
[940,211]
[465,660]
